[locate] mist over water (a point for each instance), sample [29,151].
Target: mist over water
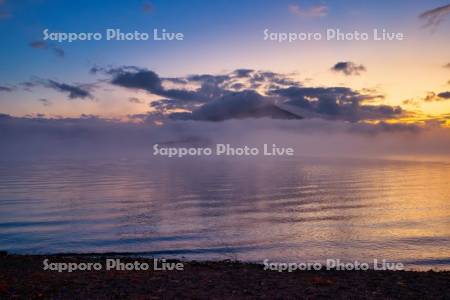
[294,209]
[94,138]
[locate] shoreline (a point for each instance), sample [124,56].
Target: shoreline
[24,277]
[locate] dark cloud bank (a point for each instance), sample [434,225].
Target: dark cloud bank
[247,93]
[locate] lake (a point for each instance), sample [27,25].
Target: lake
[291,210]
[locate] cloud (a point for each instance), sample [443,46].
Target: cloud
[43,45]
[444,95]
[4,14]
[411,102]
[199,88]
[433,97]
[74,91]
[135,100]
[430,97]
[45,102]
[38,45]
[28,85]
[219,96]
[339,103]
[348,68]
[319,10]
[434,17]
[447,66]
[140,79]
[165,105]
[147,7]
[243,72]
[210,86]
[149,81]
[239,105]
[247,93]
[58,51]
[6,88]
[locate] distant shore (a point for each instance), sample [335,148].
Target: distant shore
[24,277]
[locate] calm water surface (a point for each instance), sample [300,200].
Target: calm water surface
[295,210]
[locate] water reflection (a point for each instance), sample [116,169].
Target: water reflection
[285,210]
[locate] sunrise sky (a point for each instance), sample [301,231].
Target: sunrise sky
[52,79]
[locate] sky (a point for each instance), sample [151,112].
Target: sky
[406,82]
